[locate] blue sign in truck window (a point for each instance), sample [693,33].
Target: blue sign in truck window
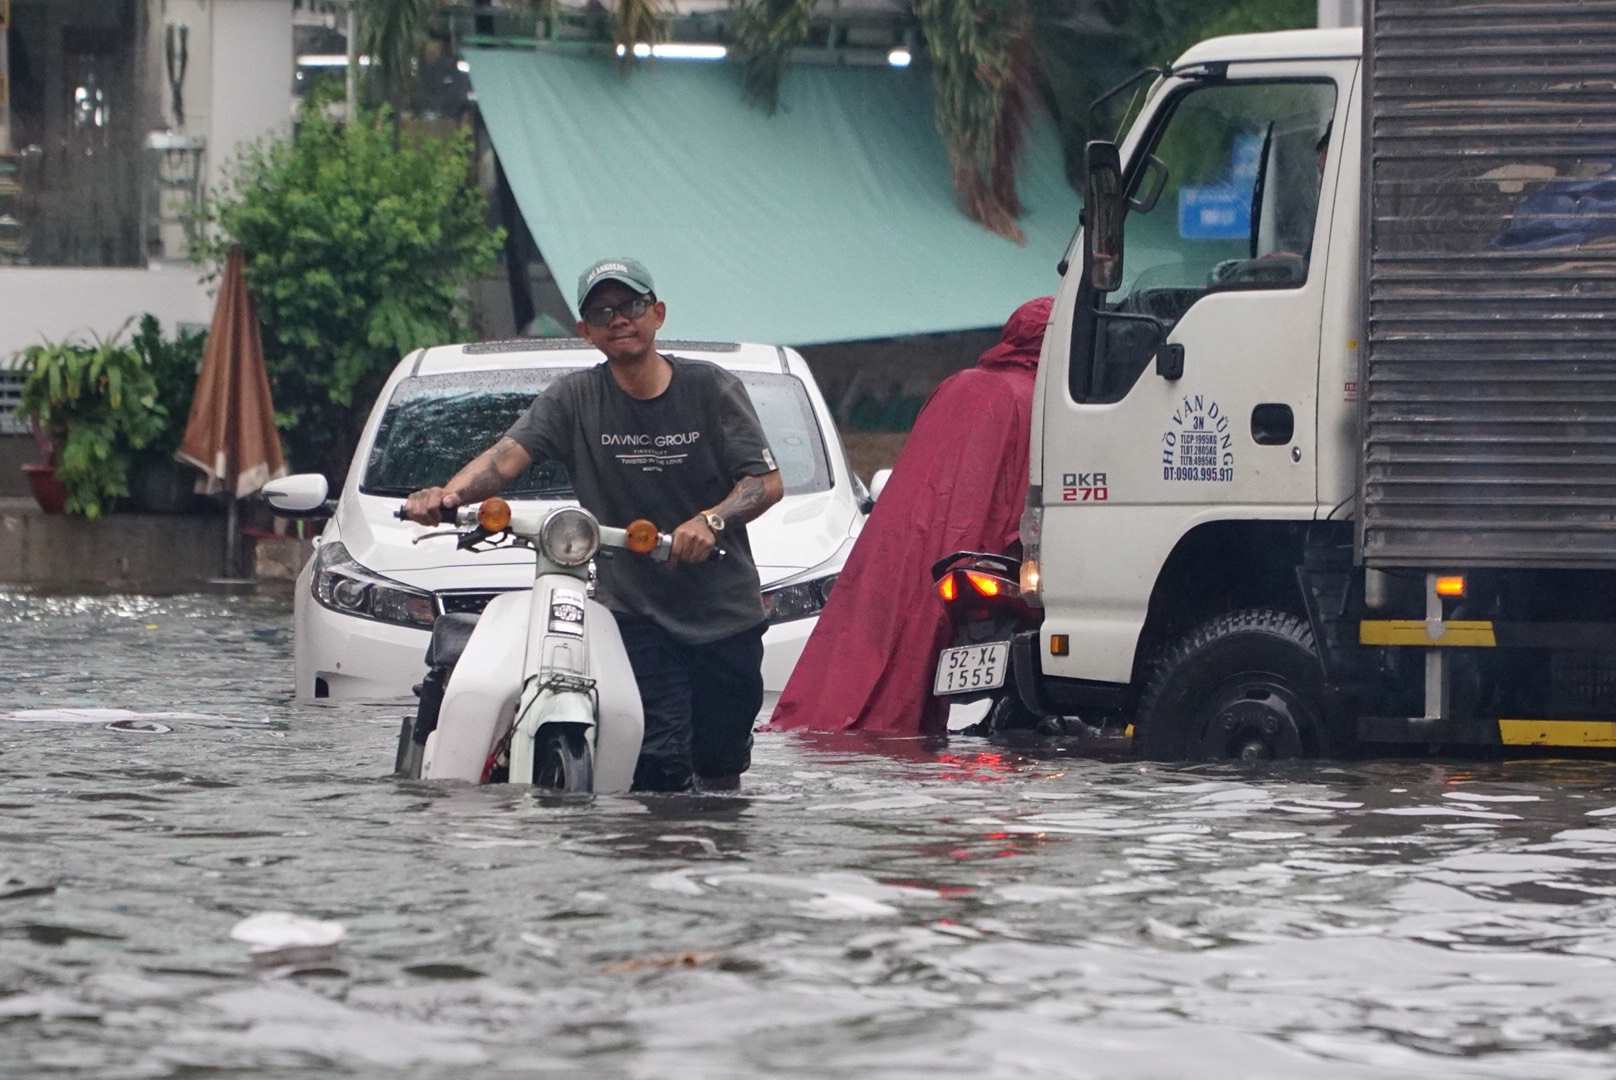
[1222,211]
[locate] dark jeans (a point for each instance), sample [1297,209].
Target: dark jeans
[700,701]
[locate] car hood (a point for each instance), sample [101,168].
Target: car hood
[801,532]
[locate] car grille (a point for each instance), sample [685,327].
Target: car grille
[468,602]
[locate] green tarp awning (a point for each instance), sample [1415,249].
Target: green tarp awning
[832,220]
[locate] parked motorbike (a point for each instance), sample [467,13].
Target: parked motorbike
[982,594]
[538,688]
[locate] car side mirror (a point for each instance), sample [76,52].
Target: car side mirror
[878,483]
[299,496]
[1103,206]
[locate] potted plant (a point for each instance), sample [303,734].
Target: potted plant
[158,482]
[91,406]
[42,479]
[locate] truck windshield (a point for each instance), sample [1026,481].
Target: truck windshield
[434,424]
[1242,165]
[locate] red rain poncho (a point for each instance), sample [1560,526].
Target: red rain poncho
[959,485]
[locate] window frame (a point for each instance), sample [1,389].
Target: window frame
[1091,312]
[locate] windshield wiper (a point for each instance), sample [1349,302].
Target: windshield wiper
[561,491]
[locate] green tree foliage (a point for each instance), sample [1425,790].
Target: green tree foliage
[174,365]
[357,252]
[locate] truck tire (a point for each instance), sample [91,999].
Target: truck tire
[1246,686]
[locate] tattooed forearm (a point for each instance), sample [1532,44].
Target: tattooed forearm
[750,497]
[489,472]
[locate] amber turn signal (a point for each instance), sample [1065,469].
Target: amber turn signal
[947,589]
[494,515]
[641,537]
[1451,586]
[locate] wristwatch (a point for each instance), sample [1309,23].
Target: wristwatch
[714,521]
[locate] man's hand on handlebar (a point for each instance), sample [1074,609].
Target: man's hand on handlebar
[431,506]
[693,542]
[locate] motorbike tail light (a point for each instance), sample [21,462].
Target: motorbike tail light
[494,515]
[947,589]
[984,584]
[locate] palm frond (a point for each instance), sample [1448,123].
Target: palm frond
[765,33]
[636,21]
[390,33]
[982,56]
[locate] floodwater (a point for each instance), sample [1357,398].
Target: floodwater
[861,910]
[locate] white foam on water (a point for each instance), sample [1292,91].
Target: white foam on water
[96,716]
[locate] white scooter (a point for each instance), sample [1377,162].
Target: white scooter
[538,688]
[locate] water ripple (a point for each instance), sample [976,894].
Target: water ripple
[884,908]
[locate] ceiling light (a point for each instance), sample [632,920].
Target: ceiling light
[683,51]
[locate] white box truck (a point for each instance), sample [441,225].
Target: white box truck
[1324,444]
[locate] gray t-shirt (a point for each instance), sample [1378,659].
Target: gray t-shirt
[665,459]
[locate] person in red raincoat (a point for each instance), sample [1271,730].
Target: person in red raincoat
[959,485]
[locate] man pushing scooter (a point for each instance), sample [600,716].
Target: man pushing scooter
[677,441]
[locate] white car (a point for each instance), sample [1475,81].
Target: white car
[364,604]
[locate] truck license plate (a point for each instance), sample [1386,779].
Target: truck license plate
[971,667]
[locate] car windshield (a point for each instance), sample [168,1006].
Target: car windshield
[434,424]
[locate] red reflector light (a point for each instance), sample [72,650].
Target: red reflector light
[982,583]
[947,589]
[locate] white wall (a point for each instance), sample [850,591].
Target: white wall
[56,302]
[1341,13]
[251,77]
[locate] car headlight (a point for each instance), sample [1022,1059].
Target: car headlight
[797,600]
[344,586]
[569,536]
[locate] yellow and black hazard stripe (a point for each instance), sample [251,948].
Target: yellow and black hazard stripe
[1458,634]
[1590,734]
[1489,634]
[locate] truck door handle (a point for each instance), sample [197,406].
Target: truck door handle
[1272,424]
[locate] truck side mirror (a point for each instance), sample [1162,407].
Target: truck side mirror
[1103,206]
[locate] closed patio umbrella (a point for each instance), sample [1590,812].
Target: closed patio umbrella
[231,434]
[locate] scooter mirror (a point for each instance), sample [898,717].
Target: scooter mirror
[302,495]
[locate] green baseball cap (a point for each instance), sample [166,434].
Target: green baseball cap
[630,272]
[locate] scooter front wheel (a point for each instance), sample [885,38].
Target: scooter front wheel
[564,761]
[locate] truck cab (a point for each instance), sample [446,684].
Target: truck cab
[1201,450]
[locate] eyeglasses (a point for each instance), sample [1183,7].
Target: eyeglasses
[601,315]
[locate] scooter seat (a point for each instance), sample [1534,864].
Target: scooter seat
[450,632]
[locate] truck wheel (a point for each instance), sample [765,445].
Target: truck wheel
[564,761]
[1245,686]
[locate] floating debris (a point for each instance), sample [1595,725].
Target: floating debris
[139,727]
[275,938]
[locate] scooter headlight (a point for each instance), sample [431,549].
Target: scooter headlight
[570,536]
